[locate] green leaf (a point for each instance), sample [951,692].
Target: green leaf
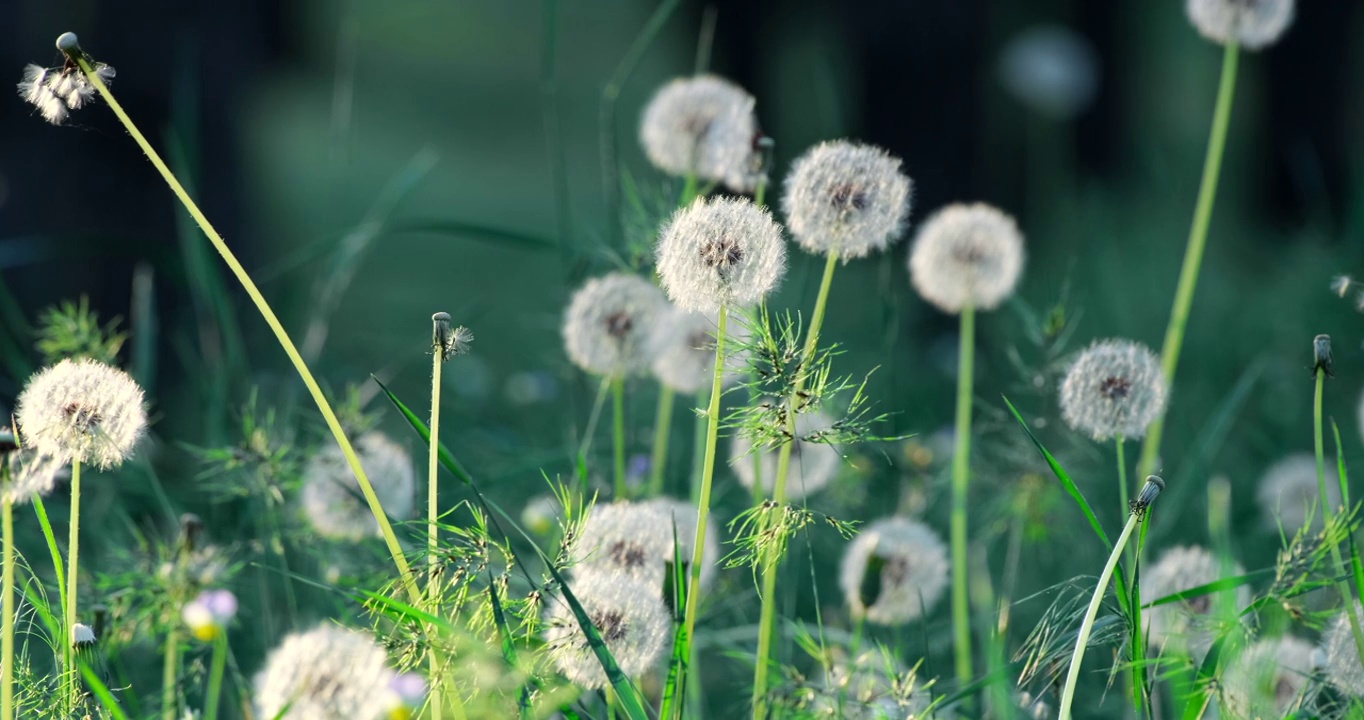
[508,646]
[399,609]
[1198,700]
[674,688]
[447,460]
[1212,587]
[1061,475]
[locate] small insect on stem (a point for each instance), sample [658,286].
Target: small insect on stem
[1148,494]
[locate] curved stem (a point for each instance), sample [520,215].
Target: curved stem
[1346,598]
[663,425]
[961,478]
[1082,640]
[618,435]
[432,526]
[73,548]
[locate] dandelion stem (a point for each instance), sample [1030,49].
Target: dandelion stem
[375,506]
[7,606]
[770,562]
[170,675]
[663,425]
[215,676]
[618,435]
[433,518]
[961,477]
[1343,587]
[73,548]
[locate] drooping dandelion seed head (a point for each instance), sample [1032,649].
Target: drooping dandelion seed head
[331,495]
[1344,667]
[82,410]
[846,198]
[1268,678]
[683,350]
[1050,69]
[894,571]
[630,617]
[209,614]
[967,255]
[720,251]
[1189,623]
[55,92]
[813,464]
[629,539]
[1254,24]
[683,515]
[609,322]
[325,673]
[1115,387]
[704,126]
[1288,492]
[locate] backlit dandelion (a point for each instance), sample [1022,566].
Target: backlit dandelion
[1253,24]
[82,410]
[967,255]
[1188,623]
[1288,491]
[331,495]
[846,198]
[323,674]
[628,539]
[683,351]
[682,515]
[54,92]
[32,474]
[813,464]
[704,127]
[1269,678]
[720,251]
[894,571]
[629,616]
[1115,388]
[609,322]
[1344,667]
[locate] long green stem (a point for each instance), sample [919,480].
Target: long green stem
[432,522]
[698,449]
[170,675]
[73,547]
[618,435]
[1346,598]
[1082,640]
[1193,253]
[961,477]
[334,424]
[215,676]
[770,562]
[7,605]
[663,425]
[1136,676]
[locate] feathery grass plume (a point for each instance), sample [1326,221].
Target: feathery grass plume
[872,686]
[894,571]
[632,621]
[208,615]
[73,330]
[82,410]
[1288,492]
[704,127]
[720,251]
[1051,69]
[813,464]
[1252,24]
[967,254]
[683,350]
[328,672]
[683,514]
[1269,678]
[331,496]
[1187,624]
[608,324]
[1344,667]
[846,198]
[1115,388]
[57,91]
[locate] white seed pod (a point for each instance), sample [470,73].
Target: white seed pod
[1268,678]
[1288,491]
[894,571]
[1189,623]
[1253,24]
[703,126]
[325,673]
[1344,667]
[846,198]
[720,251]
[629,616]
[1115,387]
[32,475]
[967,255]
[1050,69]
[82,410]
[331,495]
[609,322]
[683,350]
[813,464]
[683,515]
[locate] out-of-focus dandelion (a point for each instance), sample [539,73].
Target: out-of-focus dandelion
[704,128]
[1115,388]
[870,687]
[31,475]
[1187,623]
[406,693]
[684,351]
[1344,667]
[720,251]
[57,91]
[813,464]
[331,495]
[609,322]
[209,614]
[325,673]
[630,617]
[1269,678]
[540,514]
[894,571]
[846,198]
[1051,69]
[1342,284]
[682,515]
[1288,491]
[82,410]
[1253,24]
[967,255]
[628,539]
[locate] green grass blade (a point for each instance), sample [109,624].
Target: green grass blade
[92,679]
[1064,477]
[508,647]
[447,460]
[400,610]
[1212,587]
[1198,700]
[626,693]
[1356,566]
[674,688]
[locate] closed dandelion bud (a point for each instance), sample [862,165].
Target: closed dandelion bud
[331,495]
[1253,24]
[82,410]
[325,673]
[1321,355]
[846,198]
[704,127]
[683,350]
[1288,493]
[208,615]
[1268,678]
[720,251]
[813,464]
[1344,667]
[967,255]
[608,324]
[894,571]
[629,616]
[1115,387]
[682,515]
[1188,623]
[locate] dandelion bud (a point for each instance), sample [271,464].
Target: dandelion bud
[327,672]
[683,350]
[1114,388]
[68,43]
[1344,667]
[1321,355]
[82,410]
[967,255]
[209,614]
[720,251]
[331,495]
[1149,490]
[894,571]
[1268,678]
[629,616]
[704,127]
[1189,623]
[813,464]
[1288,493]
[846,198]
[1253,24]
[608,324]
[82,636]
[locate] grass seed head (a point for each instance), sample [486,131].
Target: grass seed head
[720,251]
[846,198]
[609,323]
[813,464]
[1115,387]
[967,255]
[894,571]
[1254,24]
[82,410]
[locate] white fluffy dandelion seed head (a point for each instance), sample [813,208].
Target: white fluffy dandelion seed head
[1344,667]
[704,126]
[32,474]
[720,251]
[813,464]
[683,515]
[331,495]
[1268,678]
[967,255]
[910,565]
[846,198]
[872,686]
[1252,23]
[1115,387]
[628,539]
[1189,623]
[1288,491]
[325,673]
[629,616]
[609,322]
[683,350]
[82,410]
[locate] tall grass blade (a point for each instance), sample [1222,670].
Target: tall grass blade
[1064,477]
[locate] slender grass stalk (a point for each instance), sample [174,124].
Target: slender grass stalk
[170,675]
[770,562]
[1122,478]
[663,425]
[1346,597]
[442,327]
[7,607]
[698,450]
[961,478]
[73,548]
[618,435]
[215,676]
[268,314]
